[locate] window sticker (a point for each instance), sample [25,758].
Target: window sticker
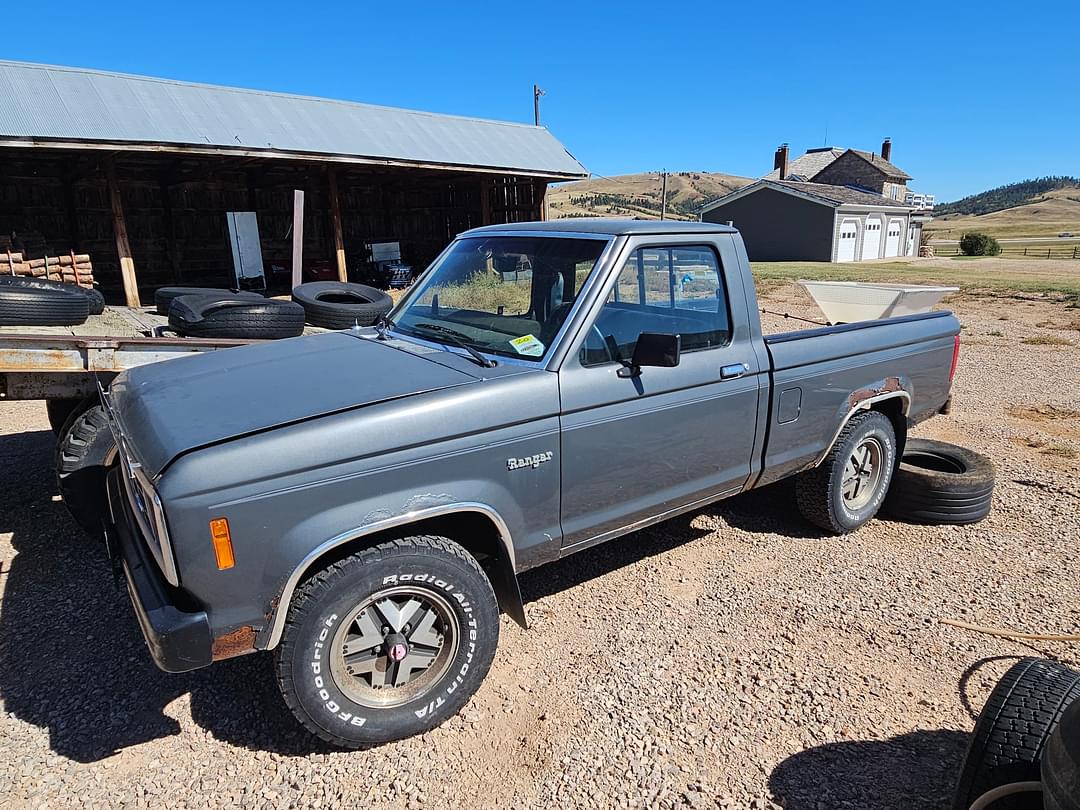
[528,345]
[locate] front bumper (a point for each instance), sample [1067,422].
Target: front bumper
[177,633]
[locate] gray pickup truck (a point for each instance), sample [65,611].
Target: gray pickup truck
[362,501]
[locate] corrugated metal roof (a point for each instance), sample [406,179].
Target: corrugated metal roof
[48,104]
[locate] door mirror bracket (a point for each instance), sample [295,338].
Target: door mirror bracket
[652,349]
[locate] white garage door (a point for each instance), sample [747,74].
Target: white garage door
[845,249]
[871,242]
[892,237]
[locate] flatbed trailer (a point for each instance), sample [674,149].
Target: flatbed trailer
[66,362]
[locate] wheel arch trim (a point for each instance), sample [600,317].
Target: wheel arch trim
[281,606]
[865,404]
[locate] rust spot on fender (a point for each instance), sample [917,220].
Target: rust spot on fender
[239,642]
[890,385]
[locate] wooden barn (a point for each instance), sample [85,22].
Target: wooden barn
[139,174]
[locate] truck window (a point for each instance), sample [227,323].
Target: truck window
[674,290]
[503,294]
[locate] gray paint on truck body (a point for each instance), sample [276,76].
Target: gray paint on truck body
[309,443]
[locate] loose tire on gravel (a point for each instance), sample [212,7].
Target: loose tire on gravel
[1060,766]
[417,612]
[938,482]
[235,317]
[85,453]
[334,305]
[1012,731]
[164,296]
[36,302]
[847,488]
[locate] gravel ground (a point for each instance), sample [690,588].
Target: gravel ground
[730,658]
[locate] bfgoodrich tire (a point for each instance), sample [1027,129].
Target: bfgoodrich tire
[85,452]
[164,296]
[212,316]
[938,482]
[1012,730]
[388,642]
[334,305]
[34,302]
[847,488]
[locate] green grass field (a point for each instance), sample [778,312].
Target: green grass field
[972,275]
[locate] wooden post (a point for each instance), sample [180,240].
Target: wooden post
[541,202]
[335,223]
[123,249]
[297,237]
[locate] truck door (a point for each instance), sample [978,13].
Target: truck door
[635,448]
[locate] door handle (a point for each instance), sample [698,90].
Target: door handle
[734,370]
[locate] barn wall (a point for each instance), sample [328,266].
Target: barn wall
[175,209]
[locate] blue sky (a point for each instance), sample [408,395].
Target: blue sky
[973,94]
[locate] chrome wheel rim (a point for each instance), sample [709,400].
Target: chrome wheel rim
[393,647]
[862,473]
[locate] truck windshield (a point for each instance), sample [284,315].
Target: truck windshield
[506,295]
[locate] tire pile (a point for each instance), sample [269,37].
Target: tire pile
[206,312]
[27,301]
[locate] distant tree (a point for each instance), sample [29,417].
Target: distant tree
[979,244]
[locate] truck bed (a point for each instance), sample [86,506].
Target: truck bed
[45,362]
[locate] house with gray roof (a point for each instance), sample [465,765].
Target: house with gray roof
[828,205]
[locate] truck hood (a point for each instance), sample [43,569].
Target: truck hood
[169,408]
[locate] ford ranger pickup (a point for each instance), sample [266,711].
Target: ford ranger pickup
[361,502]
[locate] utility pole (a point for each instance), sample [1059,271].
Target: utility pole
[537,92]
[663,197]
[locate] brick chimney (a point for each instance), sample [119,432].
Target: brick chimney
[782,161]
[886,149]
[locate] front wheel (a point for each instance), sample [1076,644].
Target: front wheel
[848,487]
[388,642]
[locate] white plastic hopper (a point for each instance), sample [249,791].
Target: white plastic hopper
[851,301]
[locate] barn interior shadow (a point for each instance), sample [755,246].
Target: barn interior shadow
[915,771]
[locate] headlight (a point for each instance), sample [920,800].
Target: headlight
[150,516]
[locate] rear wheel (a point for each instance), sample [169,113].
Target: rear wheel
[388,642]
[847,488]
[85,452]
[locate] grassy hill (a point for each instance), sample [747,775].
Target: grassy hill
[1044,207]
[639,195]
[1009,196]
[1047,215]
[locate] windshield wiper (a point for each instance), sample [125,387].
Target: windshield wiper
[383,326]
[458,339]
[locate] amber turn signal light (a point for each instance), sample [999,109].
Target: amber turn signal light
[219,533]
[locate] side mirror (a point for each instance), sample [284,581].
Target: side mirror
[653,349]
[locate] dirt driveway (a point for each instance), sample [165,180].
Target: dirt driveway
[731,658]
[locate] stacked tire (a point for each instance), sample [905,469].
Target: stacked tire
[339,305]
[39,302]
[242,317]
[938,482]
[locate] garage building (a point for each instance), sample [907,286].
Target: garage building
[788,221]
[140,174]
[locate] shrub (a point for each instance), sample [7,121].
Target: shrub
[979,244]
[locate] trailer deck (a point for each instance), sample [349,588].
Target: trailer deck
[62,362]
